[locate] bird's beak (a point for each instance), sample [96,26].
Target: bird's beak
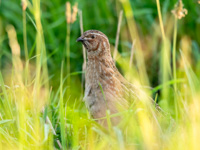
[80,39]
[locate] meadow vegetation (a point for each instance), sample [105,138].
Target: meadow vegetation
[156,46]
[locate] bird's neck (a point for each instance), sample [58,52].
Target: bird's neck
[99,54]
[97,68]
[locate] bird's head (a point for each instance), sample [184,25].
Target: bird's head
[95,42]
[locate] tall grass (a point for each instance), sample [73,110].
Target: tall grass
[36,111]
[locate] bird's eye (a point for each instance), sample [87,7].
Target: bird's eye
[92,36]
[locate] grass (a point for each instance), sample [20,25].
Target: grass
[41,77]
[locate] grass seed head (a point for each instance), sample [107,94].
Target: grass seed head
[75,11]
[71,16]
[68,12]
[178,11]
[24,5]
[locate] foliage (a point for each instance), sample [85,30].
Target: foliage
[37,109]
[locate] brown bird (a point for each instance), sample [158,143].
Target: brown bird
[105,87]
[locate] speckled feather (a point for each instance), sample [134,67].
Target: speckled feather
[102,73]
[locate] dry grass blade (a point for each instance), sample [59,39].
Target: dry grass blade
[117,35]
[132,52]
[15,48]
[84,51]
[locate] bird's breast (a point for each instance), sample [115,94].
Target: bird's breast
[93,73]
[101,74]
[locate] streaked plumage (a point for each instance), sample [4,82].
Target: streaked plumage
[105,87]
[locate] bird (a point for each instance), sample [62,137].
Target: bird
[106,90]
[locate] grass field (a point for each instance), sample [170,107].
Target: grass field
[42,73]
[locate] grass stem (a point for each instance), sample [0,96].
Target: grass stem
[117,35]
[25,48]
[61,112]
[174,66]
[68,58]
[160,19]
[84,52]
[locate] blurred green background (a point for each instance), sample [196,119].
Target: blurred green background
[101,15]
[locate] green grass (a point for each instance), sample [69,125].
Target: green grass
[41,96]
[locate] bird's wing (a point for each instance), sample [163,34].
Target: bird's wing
[131,92]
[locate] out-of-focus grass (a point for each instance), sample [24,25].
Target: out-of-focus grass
[37,112]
